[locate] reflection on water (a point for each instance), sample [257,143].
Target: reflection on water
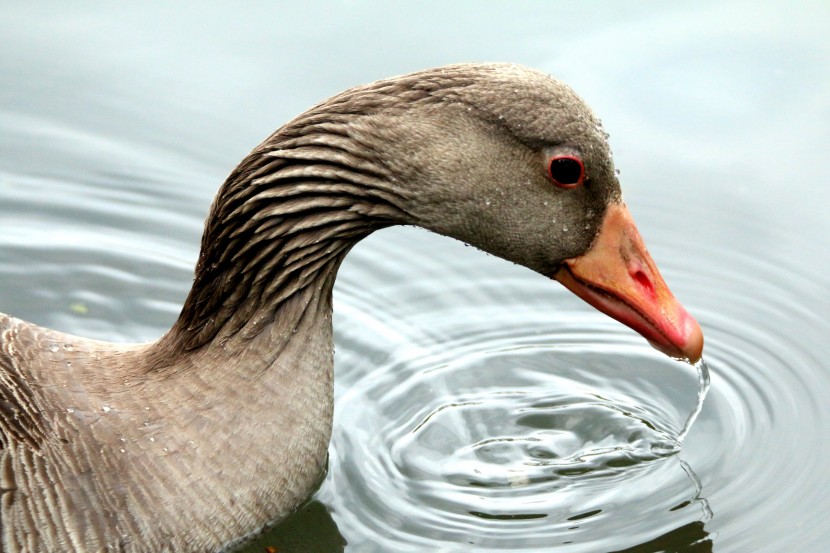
[478,406]
[690,538]
[309,530]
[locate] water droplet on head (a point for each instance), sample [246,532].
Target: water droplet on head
[53,347]
[69,347]
[70,410]
[106,408]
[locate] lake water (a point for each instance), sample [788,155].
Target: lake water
[479,407]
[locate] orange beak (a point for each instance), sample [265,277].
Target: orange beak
[618,277]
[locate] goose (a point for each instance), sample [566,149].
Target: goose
[220,428]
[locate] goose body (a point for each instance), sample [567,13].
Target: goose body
[221,427]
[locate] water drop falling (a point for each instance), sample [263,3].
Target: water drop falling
[703,382]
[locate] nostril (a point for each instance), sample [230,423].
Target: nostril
[645,283]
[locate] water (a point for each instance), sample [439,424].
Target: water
[478,406]
[704,381]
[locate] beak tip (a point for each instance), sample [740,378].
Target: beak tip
[688,342]
[694,343]
[691,350]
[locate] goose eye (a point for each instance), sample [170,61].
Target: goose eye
[566,171]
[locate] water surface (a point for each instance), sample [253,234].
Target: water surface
[478,406]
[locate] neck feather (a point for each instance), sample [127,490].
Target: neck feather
[280,226]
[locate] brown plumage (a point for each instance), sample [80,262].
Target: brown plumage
[221,427]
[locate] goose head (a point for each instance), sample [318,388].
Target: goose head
[512,161]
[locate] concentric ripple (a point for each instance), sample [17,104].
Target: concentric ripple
[461,426]
[508,445]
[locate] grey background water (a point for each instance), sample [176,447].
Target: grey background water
[468,390]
